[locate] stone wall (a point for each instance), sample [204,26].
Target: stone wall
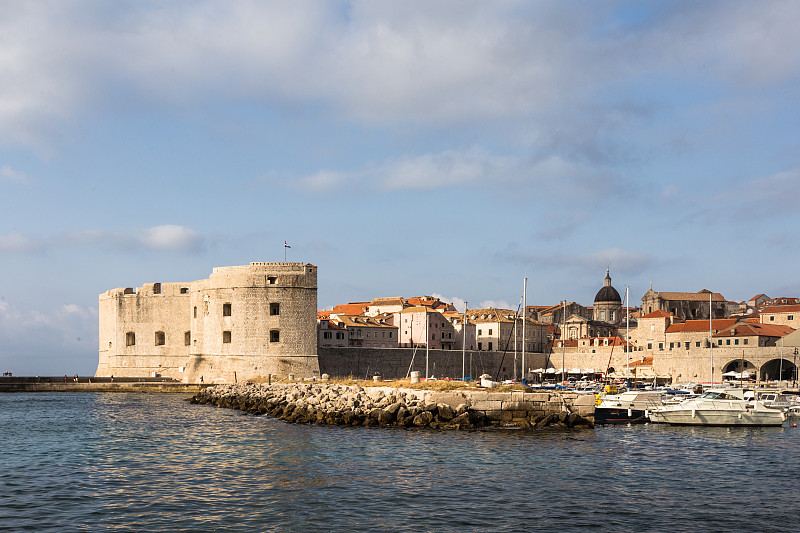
[241,322]
[393,363]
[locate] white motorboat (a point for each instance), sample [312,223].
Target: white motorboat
[718,407]
[628,407]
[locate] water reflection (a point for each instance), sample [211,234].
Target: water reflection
[155,462]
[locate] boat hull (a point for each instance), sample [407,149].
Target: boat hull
[711,417]
[618,415]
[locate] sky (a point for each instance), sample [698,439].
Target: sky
[447,148]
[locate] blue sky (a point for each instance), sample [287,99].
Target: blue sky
[406,148]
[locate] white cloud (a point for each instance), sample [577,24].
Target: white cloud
[161,238]
[444,63]
[18,243]
[8,173]
[498,304]
[171,237]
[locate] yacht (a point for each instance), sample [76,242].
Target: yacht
[718,407]
[629,407]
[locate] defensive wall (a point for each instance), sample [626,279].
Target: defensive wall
[241,322]
[395,363]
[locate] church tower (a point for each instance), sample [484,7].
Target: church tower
[607,303]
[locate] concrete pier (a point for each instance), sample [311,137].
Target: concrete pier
[94,384]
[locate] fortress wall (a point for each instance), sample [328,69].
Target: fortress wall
[393,363]
[243,321]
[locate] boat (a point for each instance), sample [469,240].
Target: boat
[718,407]
[629,407]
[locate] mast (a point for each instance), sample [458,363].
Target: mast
[627,334]
[563,339]
[711,333]
[515,346]
[464,345]
[524,313]
[427,345]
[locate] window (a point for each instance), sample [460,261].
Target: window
[184,290]
[480,346]
[791,317]
[480,332]
[735,341]
[490,346]
[274,309]
[272,280]
[160,338]
[671,345]
[490,331]
[226,337]
[187,338]
[649,345]
[226,309]
[326,335]
[686,345]
[274,335]
[195,311]
[156,288]
[697,344]
[130,339]
[660,345]
[719,342]
[772,318]
[745,341]
[390,334]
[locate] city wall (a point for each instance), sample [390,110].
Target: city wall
[394,363]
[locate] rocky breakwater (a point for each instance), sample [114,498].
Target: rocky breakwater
[353,405]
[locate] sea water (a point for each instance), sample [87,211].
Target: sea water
[154,462]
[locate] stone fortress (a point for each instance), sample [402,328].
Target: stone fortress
[241,322]
[261,319]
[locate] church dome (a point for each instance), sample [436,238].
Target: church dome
[607,294]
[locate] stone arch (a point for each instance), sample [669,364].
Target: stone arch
[769,371]
[737,364]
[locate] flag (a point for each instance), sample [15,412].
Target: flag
[286,244]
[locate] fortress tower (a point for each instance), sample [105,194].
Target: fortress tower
[241,322]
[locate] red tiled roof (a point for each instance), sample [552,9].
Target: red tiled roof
[701,325]
[657,314]
[356,308]
[647,361]
[780,309]
[748,329]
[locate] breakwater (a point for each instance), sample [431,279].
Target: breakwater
[95,384]
[353,405]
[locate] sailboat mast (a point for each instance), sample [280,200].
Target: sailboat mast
[524,303]
[627,333]
[427,345]
[711,333]
[464,345]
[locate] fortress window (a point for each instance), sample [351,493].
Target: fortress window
[184,290]
[272,280]
[156,288]
[274,309]
[187,338]
[195,311]
[274,335]
[226,337]
[130,339]
[226,309]
[161,339]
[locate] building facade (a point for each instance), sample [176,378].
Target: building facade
[241,322]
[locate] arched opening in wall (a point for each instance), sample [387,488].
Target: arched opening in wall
[733,370]
[130,339]
[161,339]
[778,369]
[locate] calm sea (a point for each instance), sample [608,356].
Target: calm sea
[153,462]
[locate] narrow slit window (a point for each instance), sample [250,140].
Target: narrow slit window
[187,338]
